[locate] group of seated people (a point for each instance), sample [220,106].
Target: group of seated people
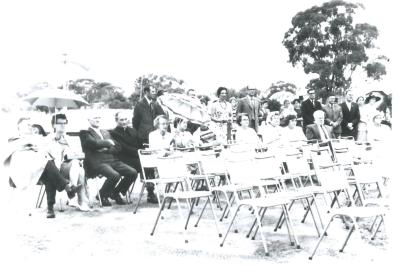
[114,153]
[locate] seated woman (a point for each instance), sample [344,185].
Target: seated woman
[29,162]
[160,138]
[244,133]
[377,132]
[271,132]
[291,132]
[182,138]
[68,160]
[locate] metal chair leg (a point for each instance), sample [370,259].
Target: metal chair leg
[320,239]
[140,198]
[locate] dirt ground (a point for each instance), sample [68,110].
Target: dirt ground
[110,238]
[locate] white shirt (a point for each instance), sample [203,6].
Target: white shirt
[158,141]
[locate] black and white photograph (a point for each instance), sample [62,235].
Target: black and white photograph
[174,135]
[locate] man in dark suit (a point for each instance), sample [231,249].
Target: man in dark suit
[308,107]
[318,130]
[127,137]
[333,115]
[100,149]
[351,116]
[144,114]
[251,106]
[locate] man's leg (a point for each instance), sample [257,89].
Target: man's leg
[112,179]
[53,180]
[129,174]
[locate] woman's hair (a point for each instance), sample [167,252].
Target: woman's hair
[239,118]
[41,131]
[289,118]
[271,115]
[220,89]
[156,121]
[177,121]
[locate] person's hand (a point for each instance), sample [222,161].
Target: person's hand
[350,126]
[111,141]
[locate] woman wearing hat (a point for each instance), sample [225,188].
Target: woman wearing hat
[369,110]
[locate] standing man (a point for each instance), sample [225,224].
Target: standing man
[333,115]
[250,105]
[146,110]
[308,107]
[144,114]
[100,156]
[351,116]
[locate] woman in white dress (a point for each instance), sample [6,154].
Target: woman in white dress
[272,131]
[160,139]
[244,133]
[291,132]
[182,137]
[221,113]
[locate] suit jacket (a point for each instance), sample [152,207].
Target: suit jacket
[245,106]
[333,114]
[128,139]
[313,132]
[143,118]
[307,110]
[350,116]
[98,151]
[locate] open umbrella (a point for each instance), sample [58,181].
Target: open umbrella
[55,98]
[186,107]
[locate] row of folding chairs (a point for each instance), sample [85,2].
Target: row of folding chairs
[258,181]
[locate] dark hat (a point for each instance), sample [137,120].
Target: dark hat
[294,101]
[372,97]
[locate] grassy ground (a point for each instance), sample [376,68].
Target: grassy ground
[113,237]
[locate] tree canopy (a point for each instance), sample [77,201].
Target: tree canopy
[327,42]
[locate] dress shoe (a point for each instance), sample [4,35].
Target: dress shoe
[50,212]
[117,198]
[104,201]
[152,198]
[72,190]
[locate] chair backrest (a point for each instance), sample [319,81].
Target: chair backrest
[296,164]
[172,166]
[321,157]
[332,177]
[211,162]
[240,167]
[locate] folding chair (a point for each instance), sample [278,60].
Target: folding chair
[335,177]
[243,170]
[173,169]
[148,161]
[297,171]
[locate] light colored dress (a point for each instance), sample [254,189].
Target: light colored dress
[247,135]
[270,134]
[160,142]
[220,113]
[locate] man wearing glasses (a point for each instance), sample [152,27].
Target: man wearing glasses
[68,159]
[308,107]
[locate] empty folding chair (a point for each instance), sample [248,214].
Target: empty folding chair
[173,169]
[243,170]
[335,177]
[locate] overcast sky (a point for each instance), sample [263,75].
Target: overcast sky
[206,43]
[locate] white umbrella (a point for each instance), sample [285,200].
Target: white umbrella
[185,106]
[55,98]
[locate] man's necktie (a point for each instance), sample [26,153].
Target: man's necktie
[152,107]
[324,131]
